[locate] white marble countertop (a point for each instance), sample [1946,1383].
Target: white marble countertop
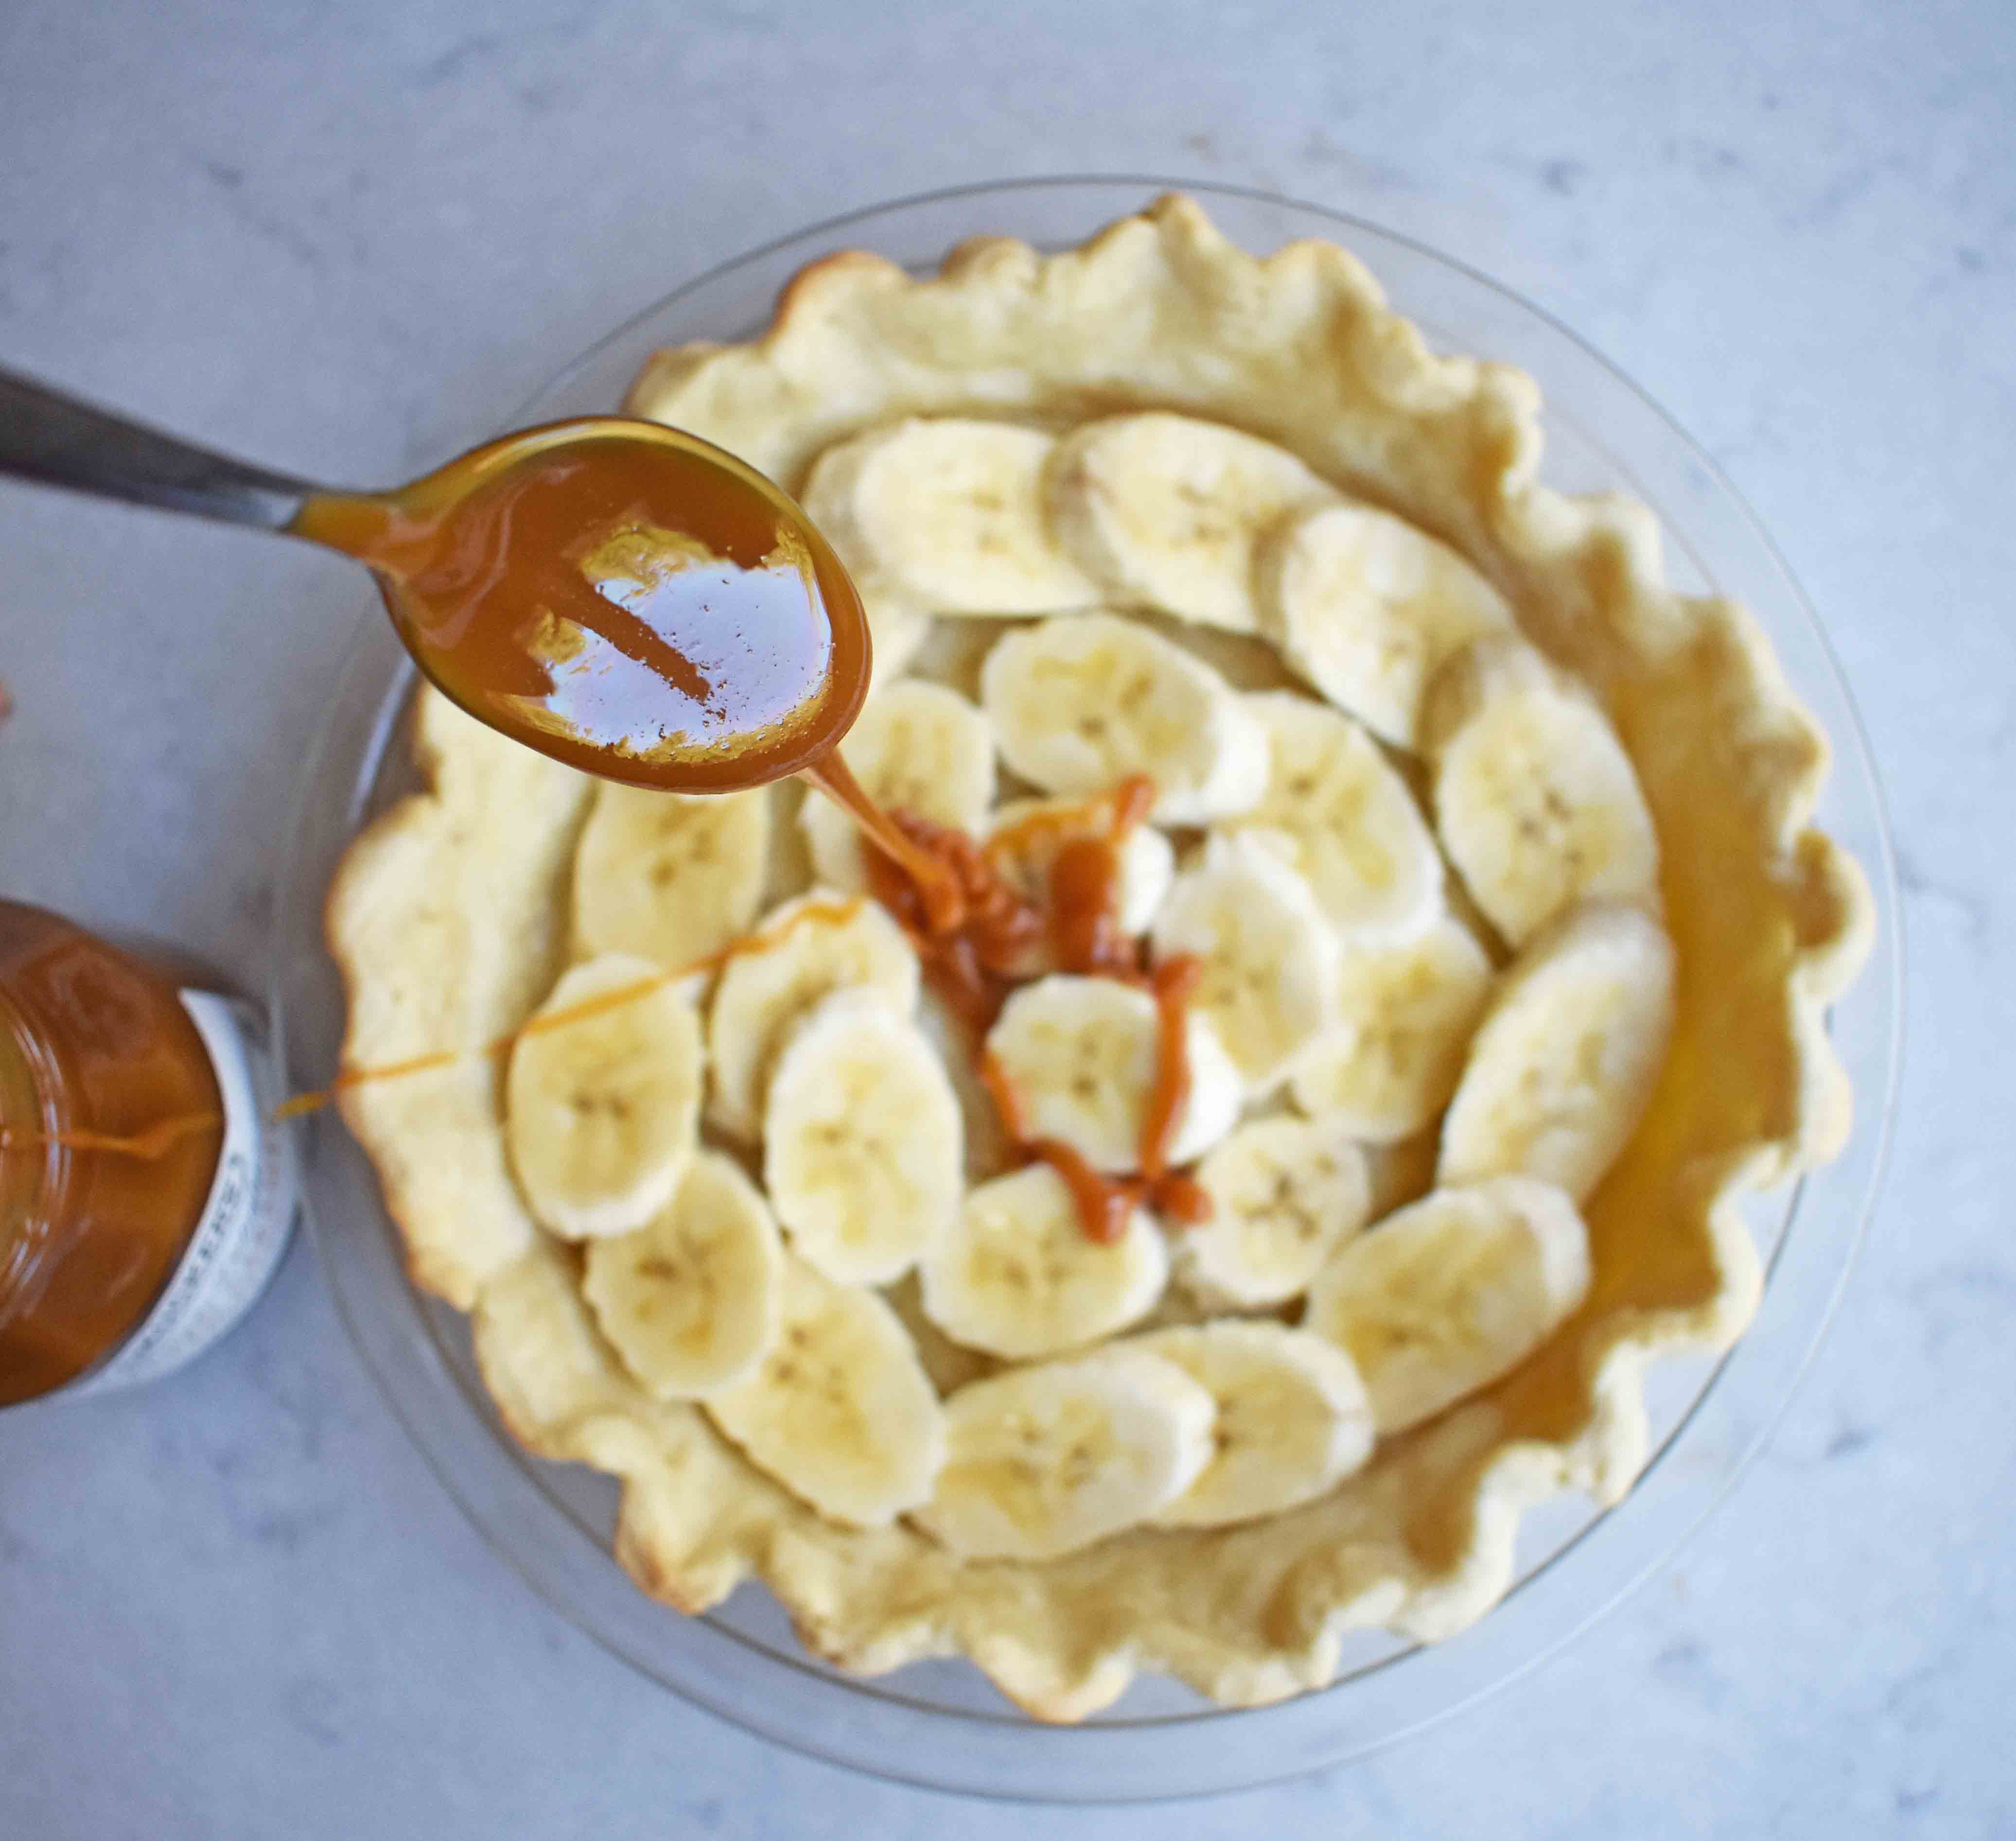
[343,239]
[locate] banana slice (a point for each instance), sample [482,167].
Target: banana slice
[807,950]
[1167,510]
[1293,1418]
[1041,1461]
[1535,797]
[839,1411]
[1367,608]
[1079,703]
[1038,829]
[1018,1276]
[1285,1194]
[1269,961]
[1445,1296]
[1081,1054]
[602,1108]
[1341,816]
[668,876]
[690,1300]
[1408,1012]
[863,1149]
[950,512]
[915,748]
[1562,1065]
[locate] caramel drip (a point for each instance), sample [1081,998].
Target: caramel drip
[157,1141]
[761,941]
[939,887]
[1105,1204]
[1112,814]
[974,964]
[1173,983]
[978,937]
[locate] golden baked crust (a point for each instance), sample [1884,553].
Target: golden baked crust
[448,921]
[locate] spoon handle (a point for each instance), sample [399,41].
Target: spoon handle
[57,440]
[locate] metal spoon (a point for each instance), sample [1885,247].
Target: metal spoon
[725,646]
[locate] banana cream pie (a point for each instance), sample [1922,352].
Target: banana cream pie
[1394,937]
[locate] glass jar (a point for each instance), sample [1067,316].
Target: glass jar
[146,1194]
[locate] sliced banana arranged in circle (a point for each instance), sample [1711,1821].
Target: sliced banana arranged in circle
[670,877]
[1080,703]
[1564,1063]
[1536,799]
[805,950]
[1269,959]
[839,1409]
[1367,608]
[690,1300]
[1286,1193]
[1406,1014]
[1317,907]
[1293,1418]
[863,1149]
[1041,1461]
[917,748]
[948,512]
[1018,1276]
[601,1106]
[1337,813]
[1167,510]
[1081,1054]
[1449,1294]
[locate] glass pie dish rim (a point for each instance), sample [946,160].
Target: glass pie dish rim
[870,1726]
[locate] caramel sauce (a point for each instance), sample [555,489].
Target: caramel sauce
[1084,921]
[642,606]
[974,966]
[975,949]
[156,1141]
[303,1104]
[626,598]
[942,891]
[111,1128]
[1173,983]
[975,962]
[1104,1203]
[994,940]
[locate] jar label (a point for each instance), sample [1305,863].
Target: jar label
[246,1218]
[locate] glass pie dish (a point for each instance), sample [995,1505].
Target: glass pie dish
[939,1724]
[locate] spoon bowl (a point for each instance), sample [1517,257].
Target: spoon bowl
[622,596]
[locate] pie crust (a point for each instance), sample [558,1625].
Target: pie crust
[449,919]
